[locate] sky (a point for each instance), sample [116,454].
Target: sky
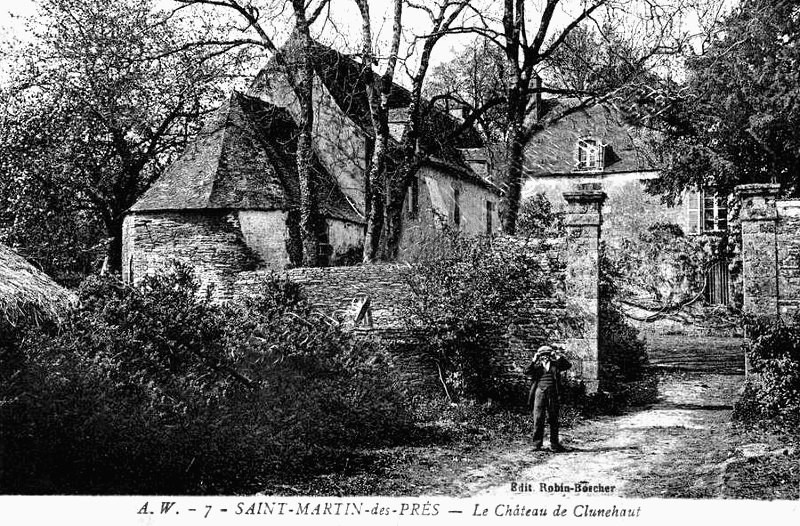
[343,31]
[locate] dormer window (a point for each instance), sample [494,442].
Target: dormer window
[591,155]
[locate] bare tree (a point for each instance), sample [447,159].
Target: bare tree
[533,42]
[387,188]
[379,89]
[299,72]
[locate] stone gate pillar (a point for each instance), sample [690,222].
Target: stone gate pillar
[582,220]
[759,220]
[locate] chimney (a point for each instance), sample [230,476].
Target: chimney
[537,100]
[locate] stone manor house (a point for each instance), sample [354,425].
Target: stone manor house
[229,203]
[594,144]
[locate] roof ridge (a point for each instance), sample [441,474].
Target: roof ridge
[225,121]
[275,156]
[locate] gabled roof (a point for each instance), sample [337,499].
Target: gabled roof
[343,77]
[244,159]
[553,149]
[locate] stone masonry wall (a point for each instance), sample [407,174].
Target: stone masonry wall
[788,257]
[567,317]
[209,241]
[339,292]
[770,252]
[213,243]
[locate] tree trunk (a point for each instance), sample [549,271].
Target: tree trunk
[392,229]
[113,260]
[378,92]
[511,199]
[309,209]
[373,202]
[395,197]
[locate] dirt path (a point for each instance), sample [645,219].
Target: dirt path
[676,447]
[683,446]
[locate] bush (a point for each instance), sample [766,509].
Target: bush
[537,218]
[465,293]
[620,350]
[772,393]
[150,389]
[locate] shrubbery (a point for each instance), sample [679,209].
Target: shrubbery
[465,293]
[772,393]
[538,218]
[149,389]
[621,351]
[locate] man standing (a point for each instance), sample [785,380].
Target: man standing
[545,369]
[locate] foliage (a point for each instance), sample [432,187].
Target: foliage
[99,100]
[736,119]
[660,262]
[465,292]
[622,353]
[150,389]
[537,218]
[772,393]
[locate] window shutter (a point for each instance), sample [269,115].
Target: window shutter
[693,212]
[456,206]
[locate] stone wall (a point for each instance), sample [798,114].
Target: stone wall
[788,257]
[266,233]
[436,207]
[759,220]
[339,292]
[567,317]
[770,252]
[210,241]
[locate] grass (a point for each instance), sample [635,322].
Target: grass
[443,448]
[769,477]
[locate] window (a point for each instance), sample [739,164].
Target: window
[480,167]
[456,206]
[412,206]
[489,217]
[591,155]
[707,212]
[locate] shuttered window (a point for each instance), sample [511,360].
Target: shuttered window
[693,212]
[706,211]
[591,155]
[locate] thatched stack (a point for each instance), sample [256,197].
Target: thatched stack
[27,293]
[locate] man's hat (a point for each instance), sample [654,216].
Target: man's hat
[544,349]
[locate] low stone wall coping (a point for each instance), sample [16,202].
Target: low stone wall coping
[758,189]
[585,196]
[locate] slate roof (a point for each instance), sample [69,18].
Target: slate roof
[244,159]
[343,77]
[552,151]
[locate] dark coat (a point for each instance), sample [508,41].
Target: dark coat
[536,370]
